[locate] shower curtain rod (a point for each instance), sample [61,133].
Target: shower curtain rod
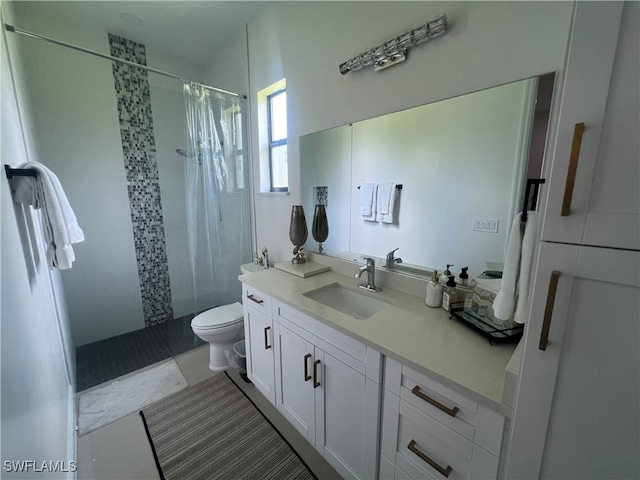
[11,28]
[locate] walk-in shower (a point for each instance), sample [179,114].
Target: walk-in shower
[164,239]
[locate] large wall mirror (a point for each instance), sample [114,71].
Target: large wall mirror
[462,163]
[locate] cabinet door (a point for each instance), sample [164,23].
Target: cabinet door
[346,417]
[260,358]
[593,189]
[295,397]
[576,413]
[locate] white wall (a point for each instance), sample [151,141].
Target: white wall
[38,374]
[77,135]
[489,43]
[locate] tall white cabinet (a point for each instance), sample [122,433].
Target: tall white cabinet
[577,412]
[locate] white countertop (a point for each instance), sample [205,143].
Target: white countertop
[407,330]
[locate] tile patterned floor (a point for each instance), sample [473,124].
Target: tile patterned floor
[107,359]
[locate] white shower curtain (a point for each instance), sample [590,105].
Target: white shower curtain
[217,196]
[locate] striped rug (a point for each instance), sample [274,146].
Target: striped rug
[212,431]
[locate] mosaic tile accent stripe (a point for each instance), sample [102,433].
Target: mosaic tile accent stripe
[141,167]
[321,195]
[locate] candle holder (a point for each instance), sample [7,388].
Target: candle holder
[298,233]
[320,226]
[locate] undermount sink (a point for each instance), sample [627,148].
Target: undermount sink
[348,300]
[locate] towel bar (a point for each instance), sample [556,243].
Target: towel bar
[398,187]
[19,172]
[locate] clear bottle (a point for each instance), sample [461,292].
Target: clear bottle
[449,294]
[434,292]
[444,278]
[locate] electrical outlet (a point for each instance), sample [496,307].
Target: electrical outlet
[485,225]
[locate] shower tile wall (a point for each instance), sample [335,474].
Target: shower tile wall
[139,152]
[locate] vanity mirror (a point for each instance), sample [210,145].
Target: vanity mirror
[462,162]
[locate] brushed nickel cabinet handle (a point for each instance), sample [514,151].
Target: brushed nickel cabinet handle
[548,310]
[573,169]
[316,383]
[414,449]
[266,338]
[254,299]
[307,377]
[449,411]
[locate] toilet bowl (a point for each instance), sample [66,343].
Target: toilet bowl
[221,327]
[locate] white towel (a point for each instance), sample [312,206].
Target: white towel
[513,296]
[386,202]
[60,225]
[368,199]
[529,243]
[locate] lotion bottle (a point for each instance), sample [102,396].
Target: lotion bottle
[434,292]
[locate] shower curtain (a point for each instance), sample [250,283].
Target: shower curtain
[217,196]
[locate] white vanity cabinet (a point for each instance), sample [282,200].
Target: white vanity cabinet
[325,383]
[432,431]
[259,337]
[328,388]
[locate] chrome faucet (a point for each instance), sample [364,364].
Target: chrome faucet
[391,259]
[370,268]
[265,256]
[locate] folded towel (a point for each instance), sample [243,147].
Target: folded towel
[513,296]
[386,202]
[60,225]
[368,199]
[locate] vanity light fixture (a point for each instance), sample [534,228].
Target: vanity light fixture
[393,51]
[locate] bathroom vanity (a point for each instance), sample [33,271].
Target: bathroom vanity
[405,392]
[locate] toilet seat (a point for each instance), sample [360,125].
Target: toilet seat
[218,317]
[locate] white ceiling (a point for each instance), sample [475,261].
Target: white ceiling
[193,30]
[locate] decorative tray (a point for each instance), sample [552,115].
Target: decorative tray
[491,332]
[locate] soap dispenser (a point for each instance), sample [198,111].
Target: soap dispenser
[449,293]
[464,276]
[444,278]
[434,292]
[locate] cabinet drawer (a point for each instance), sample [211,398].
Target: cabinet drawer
[256,299]
[472,420]
[444,404]
[422,440]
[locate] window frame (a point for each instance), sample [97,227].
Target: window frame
[274,143]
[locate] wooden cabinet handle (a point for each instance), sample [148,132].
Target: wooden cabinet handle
[316,383]
[266,338]
[254,299]
[307,377]
[414,449]
[573,169]
[548,310]
[449,411]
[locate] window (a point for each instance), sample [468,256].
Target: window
[277,127]
[272,132]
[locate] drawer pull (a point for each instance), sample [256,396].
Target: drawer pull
[573,169]
[316,383]
[449,411]
[307,377]
[254,299]
[548,310]
[414,449]
[266,338]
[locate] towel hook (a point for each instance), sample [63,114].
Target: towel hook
[535,182]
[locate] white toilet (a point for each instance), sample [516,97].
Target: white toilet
[221,327]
